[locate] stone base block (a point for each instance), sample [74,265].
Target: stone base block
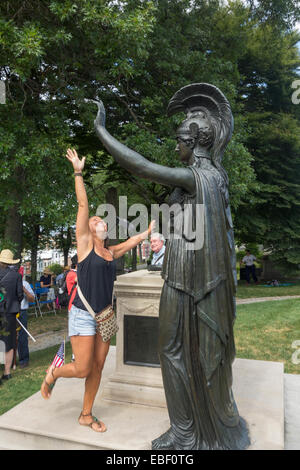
[39,424]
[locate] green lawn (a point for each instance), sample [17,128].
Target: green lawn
[26,382]
[263,331]
[48,322]
[266,330]
[246,292]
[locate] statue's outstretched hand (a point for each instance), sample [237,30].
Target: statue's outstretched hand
[101,115]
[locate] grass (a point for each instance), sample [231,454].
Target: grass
[26,382]
[49,322]
[263,331]
[246,292]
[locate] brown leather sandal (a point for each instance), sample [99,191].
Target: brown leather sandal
[95,420]
[50,386]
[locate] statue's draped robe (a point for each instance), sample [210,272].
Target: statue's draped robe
[197,312]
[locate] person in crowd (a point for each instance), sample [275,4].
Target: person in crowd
[60,276]
[71,286]
[248,261]
[23,350]
[72,281]
[96,272]
[47,280]
[11,283]
[157,246]
[60,288]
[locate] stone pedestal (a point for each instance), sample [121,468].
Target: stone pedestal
[137,378]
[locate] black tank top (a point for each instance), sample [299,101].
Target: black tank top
[96,280]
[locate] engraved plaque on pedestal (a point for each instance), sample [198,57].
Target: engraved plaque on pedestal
[141,341]
[137,378]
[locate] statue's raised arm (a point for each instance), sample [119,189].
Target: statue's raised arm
[136,163]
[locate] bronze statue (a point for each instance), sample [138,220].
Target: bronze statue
[197,306]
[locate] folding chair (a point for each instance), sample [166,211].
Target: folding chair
[40,292]
[33,304]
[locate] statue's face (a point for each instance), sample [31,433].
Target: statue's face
[184,147]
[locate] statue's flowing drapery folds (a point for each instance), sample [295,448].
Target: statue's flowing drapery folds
[197,312]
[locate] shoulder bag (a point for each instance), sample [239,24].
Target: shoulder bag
[106,319]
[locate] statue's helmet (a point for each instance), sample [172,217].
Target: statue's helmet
[202,98]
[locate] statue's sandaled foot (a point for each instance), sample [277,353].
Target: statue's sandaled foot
[164,442]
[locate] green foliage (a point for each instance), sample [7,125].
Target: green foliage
[7,245]
[134,55]
[277,212]
[56,269]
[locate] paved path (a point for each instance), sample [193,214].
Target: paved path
[292,411]
[51,338]
[265,299]
[46,340]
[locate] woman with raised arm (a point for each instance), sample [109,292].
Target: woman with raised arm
[197,305]
[96,272]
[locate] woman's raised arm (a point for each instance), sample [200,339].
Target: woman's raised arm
[136,163]
[122,248]
[83,234]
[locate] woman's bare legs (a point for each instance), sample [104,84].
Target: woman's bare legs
[90,354]
[83,348]
[93,381]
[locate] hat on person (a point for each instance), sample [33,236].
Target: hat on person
[47,271]
[7,257]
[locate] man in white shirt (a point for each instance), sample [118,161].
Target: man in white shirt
[23,350]
[248,260]
[157,246]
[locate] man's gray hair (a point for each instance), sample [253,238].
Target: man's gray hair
[157,235]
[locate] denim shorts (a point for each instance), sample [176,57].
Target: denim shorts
[81,322]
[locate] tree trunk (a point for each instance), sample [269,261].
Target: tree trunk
[65,243]
[14,230]
[140,252]
[67,246]
[112,198]
[13,233]
[34,252]
[134,259]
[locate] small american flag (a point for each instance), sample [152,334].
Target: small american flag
[59,359]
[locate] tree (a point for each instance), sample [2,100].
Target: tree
[134,55]
[49,51]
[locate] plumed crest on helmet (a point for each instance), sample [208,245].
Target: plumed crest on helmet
[199,96]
